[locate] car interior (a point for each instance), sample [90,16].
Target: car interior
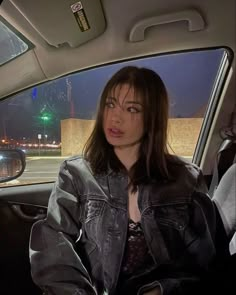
[67,37]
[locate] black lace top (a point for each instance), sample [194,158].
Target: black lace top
[136,258]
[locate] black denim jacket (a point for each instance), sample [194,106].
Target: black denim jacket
[78,248]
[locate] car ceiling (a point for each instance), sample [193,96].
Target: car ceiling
[115,39]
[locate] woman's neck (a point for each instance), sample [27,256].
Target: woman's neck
[128,155]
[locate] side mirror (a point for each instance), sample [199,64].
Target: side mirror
[12,164]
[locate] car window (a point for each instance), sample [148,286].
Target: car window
[52,121]
[12,43]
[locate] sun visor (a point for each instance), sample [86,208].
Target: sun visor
[64,21]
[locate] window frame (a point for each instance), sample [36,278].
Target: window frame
[217,87]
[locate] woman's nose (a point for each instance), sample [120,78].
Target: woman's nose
[116,115]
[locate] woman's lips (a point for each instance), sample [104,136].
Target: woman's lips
[114,132]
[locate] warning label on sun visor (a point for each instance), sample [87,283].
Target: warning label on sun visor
[80,16]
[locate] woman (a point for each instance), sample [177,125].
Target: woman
[127,217]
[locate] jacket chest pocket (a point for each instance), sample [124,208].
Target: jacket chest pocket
[175,216]
[173,222]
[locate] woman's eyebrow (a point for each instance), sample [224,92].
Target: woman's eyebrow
[111,98]
[126,102]
[133,102]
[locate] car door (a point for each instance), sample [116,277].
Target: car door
[20,207]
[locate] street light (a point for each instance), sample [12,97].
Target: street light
[46,118]
[39,138]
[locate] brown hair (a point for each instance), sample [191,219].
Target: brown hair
[152,163]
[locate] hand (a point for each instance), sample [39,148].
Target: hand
[155,291]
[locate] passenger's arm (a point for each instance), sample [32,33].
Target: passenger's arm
[225,200]
[55,265]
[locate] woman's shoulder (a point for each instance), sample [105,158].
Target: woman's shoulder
[181,166]
[75,159]
[187,174]
[76,164]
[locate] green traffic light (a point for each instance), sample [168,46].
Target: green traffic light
[45,118]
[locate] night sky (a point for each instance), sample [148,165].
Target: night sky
[189,78]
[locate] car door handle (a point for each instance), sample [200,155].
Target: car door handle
[40,214]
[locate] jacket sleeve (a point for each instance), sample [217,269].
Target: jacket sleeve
[55,265]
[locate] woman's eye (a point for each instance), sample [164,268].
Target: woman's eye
[110,105]
[133,110]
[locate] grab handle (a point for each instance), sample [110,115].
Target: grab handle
[193,17]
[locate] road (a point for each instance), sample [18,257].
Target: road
[40,169]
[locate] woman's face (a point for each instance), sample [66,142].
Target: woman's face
[123,117]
